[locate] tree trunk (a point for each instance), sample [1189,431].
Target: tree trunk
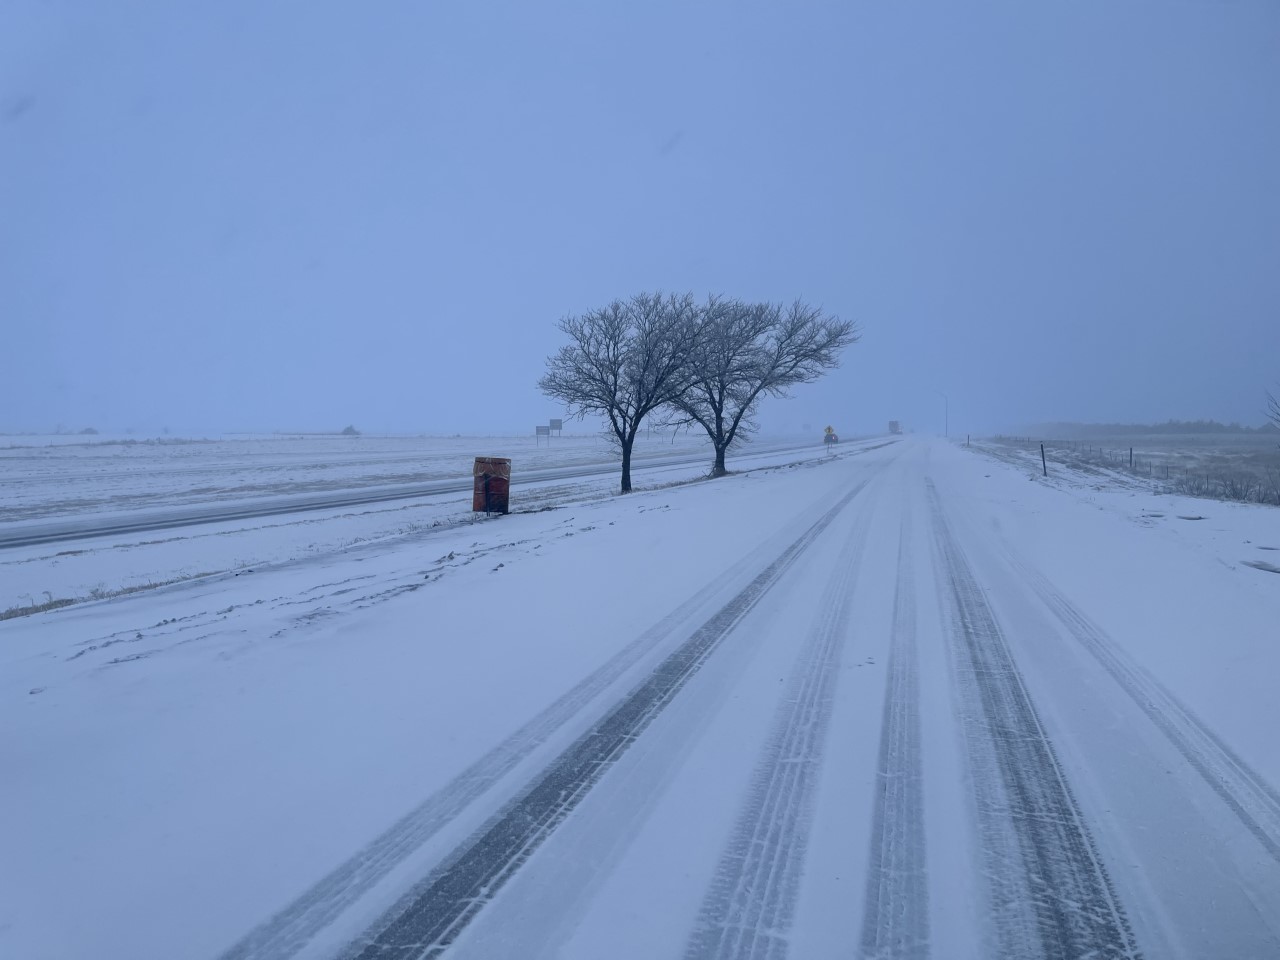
[626,463]
[719,469]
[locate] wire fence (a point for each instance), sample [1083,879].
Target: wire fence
[1244,473]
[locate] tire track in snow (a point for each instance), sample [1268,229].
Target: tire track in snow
[895,923]
[1249,796]
[432,915]
[747,912]
[288,931]
[1050,893]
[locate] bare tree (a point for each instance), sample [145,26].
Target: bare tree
[1273,408]
[749,351]
[624,361]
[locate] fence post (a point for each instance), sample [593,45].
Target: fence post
[1043,463]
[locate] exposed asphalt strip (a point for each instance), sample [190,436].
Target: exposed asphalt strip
[58,532]
[64,530]
[1050,894]
[749,907]
[1250,797]
[75,530]
[895,922]
[432,915]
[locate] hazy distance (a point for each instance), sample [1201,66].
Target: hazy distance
[240,216]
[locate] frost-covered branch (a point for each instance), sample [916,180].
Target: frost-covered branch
[624,361]
[752,350]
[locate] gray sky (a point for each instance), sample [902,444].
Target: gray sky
[247,215]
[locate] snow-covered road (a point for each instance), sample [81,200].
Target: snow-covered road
[224,500]
[904,702]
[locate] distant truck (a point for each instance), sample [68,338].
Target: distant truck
[830,436]
[895,427]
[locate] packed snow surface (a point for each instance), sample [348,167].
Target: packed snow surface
[901,700]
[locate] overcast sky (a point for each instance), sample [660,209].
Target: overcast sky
[252,215]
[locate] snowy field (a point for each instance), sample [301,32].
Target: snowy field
[909,700]
[1241,467]
[43,477]
[69,480]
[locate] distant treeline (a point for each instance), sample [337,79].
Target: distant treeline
[1171,427]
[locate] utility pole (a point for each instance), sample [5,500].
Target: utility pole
[946,413]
